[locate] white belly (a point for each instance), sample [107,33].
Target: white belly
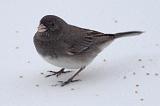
[66,62]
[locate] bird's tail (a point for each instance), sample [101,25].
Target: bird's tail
[126,34]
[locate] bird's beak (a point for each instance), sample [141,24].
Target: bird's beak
[42,28]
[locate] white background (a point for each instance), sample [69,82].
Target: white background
[109,83]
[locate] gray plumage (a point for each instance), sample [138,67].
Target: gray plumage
[68,46]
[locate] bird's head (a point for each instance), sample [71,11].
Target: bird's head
[51,23]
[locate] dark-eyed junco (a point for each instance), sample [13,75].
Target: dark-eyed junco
[71,47]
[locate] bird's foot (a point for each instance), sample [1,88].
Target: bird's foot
[57,74]
[63,83]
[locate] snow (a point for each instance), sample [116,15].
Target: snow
[121,80]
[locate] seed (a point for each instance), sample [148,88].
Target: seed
[20,76]
[17,47]
[37,85]
[134,73]
[157,44]
[17,31]
[139,59]
[28,62]
[143,66]
[115,21]
[42,73]
[156,74]
[72,89]
[136,92]
[141,99]
[124,77]
[147,73]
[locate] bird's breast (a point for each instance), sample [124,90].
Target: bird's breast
[45,48]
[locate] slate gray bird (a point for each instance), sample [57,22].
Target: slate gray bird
[71,47]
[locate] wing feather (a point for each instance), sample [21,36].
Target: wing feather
[85,40]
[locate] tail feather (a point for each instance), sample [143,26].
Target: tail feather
[126,34]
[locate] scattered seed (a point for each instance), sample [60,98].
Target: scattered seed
[156,74]
[136,92]
[150,60]
[139,59]
[137,85]
[42,73]
[28,62]
[17,47]
[20,76]
[147,73]
[104,60]
[125,77]
[115,21]
[37,85]
[17,31]
[143,66]
[97,95]
[141,99]
[72,89]
[157,44]
[134,73]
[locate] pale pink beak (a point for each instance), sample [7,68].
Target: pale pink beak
[42,28]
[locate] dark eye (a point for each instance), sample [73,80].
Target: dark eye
[52,24]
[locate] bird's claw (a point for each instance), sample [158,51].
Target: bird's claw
[57,73]
[63,83]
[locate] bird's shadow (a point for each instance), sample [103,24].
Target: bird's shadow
[99,71]
[110,69]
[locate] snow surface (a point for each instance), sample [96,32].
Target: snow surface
[129,75]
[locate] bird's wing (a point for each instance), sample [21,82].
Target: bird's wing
[81,43]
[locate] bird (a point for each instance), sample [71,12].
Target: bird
[71,47]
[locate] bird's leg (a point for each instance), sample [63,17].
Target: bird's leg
[57,73]
[71,78]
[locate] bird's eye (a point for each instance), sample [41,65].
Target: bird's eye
[52,24]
